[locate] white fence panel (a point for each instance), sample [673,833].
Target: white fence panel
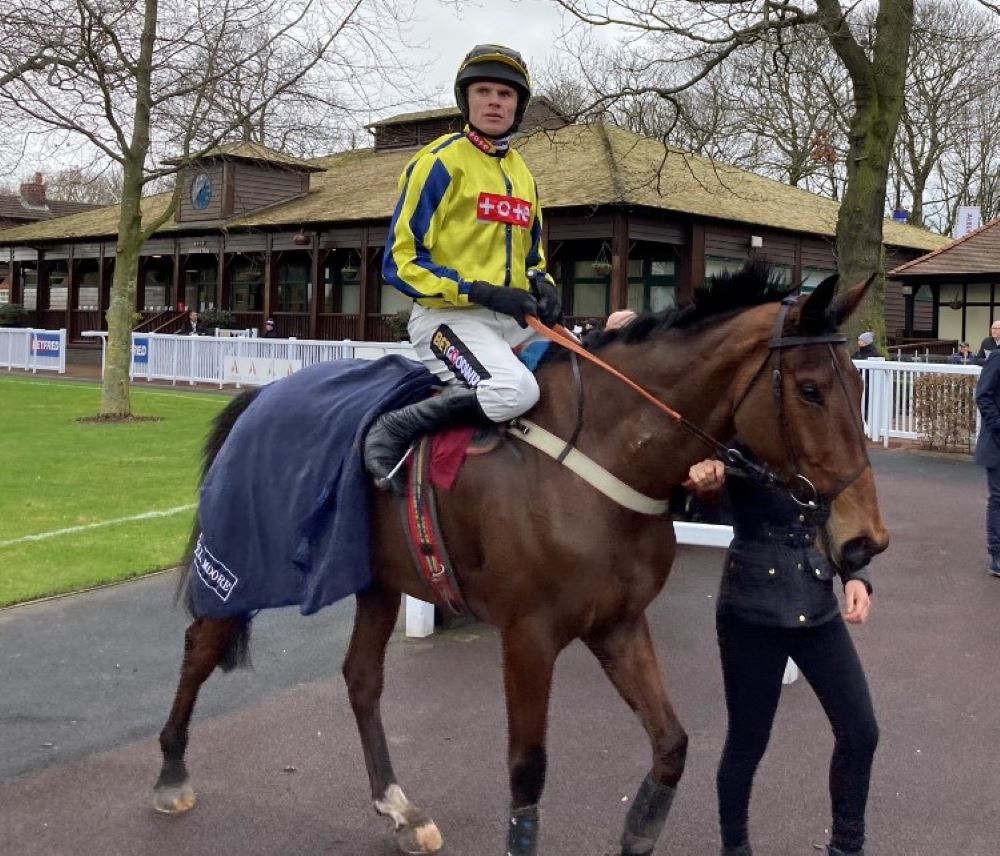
[890,402]
[203,359]
[33,350]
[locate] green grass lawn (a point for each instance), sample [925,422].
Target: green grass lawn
[57,473]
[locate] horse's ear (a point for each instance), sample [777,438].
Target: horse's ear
[846,304]
[812,316]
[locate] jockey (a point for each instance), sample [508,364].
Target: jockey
[465,244]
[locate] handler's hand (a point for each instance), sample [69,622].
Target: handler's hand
[857,601]
[706,476]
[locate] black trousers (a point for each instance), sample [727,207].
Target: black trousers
[753,662]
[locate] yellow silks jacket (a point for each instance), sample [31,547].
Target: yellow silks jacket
[463,215]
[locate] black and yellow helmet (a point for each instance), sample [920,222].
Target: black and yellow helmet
[493,62]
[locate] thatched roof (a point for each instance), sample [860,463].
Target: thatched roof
[254,153]
[975,253]
[576,166]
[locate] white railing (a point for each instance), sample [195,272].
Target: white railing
[237,360]
[33,350]
[889,405]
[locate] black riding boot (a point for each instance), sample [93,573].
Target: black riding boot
[742,850]
[833,851]
[392,433]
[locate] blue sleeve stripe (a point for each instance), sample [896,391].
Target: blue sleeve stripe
[534,256]
[452,139]
[437,184]
[390,270]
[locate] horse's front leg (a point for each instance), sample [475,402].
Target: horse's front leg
[529,654]
[364,669]
[626,653]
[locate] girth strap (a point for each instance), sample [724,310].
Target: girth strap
[419,511]
[592,473]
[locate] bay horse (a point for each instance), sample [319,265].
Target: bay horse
[537,552]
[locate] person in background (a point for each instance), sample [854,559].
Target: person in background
[776,601]
[192,326]
[963,355]
[591,325]
[866,347]
[988,454]
[465,244]
[990,343]
[269,331]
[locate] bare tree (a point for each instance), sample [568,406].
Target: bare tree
[874,56]
[137,80]
[950,71]
[85,184]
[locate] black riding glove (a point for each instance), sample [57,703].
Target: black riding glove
[550,309]
[515,302]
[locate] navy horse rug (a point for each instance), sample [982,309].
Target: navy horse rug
[283,513]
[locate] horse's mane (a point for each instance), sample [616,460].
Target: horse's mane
[723,295]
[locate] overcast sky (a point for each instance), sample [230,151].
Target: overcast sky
[529,26]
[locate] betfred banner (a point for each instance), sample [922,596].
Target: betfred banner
[45,345]
[140,351]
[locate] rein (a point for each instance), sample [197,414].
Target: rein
[800,489]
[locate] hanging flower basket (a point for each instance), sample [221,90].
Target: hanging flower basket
[955,303]
[602,268]
[348,271]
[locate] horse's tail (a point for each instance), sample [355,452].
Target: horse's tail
[237,651]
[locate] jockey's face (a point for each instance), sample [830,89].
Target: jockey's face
[492,106]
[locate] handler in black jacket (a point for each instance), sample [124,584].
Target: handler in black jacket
[988,453]
[777,601]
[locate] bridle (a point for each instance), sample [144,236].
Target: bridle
[799,487]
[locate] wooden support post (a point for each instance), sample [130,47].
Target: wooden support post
[314,296]
[619,259]
[365,275]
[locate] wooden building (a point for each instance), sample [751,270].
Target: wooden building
[627,223]
[956,286]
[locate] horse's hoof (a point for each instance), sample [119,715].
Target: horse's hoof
[422,837]
[174,799]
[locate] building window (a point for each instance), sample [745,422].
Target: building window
[590,291]
[246,283]
[652,284]
[29,274]
[200,281]
[392,300]
[294,288]
[813,276]
[59,286]
[718,265]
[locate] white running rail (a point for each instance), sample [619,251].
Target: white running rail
[33,350]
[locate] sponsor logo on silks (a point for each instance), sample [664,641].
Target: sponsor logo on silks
[45,343]
[212,572]
[448,348]
[494,208]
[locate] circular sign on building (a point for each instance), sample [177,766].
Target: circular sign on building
[201,191]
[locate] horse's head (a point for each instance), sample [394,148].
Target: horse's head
[801,414]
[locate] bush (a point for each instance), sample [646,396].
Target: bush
[12,315]
[216,319]
[945,410]
[397,323]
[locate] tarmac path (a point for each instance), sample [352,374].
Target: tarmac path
[86,682]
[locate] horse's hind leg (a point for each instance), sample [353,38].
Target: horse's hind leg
[207,643]
[364,669]
[627,655]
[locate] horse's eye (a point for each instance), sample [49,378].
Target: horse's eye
[811,393]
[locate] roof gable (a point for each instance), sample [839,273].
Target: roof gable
[975,253]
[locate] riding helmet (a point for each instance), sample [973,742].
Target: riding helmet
[493,62]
